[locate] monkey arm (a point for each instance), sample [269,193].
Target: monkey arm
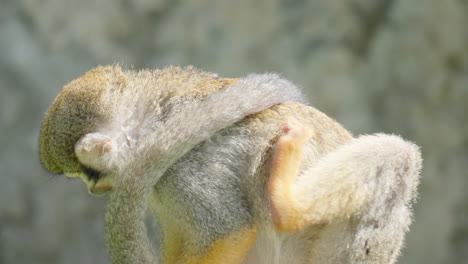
[348,181]
[126,231]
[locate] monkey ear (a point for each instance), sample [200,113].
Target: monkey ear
[91,149]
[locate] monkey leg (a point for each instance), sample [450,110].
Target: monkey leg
[287,159]
[343,183]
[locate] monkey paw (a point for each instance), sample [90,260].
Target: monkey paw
[91,148]
[295,132]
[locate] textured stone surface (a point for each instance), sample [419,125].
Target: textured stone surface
[399,66]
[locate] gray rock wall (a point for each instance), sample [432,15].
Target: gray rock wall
[398,66]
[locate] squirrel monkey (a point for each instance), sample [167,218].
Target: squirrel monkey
[233,172]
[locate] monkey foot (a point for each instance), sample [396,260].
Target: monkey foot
[287,159]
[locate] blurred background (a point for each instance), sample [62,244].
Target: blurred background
[397,66]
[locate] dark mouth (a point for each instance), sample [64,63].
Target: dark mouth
[92,174]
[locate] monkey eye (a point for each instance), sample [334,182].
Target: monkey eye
[92,173]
